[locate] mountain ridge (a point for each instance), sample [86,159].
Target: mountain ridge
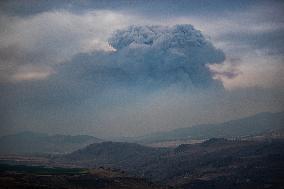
[28,142]
[252,125]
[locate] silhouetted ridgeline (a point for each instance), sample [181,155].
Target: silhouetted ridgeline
[215,163]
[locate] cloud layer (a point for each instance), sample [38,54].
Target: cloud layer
[50,38]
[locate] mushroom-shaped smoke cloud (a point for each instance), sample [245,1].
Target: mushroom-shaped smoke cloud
[165,55]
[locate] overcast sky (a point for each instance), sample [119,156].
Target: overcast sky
[126,68]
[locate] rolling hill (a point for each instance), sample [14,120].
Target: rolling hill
[116,154]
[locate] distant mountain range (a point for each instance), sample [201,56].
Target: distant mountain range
[31,143]
[250,126]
